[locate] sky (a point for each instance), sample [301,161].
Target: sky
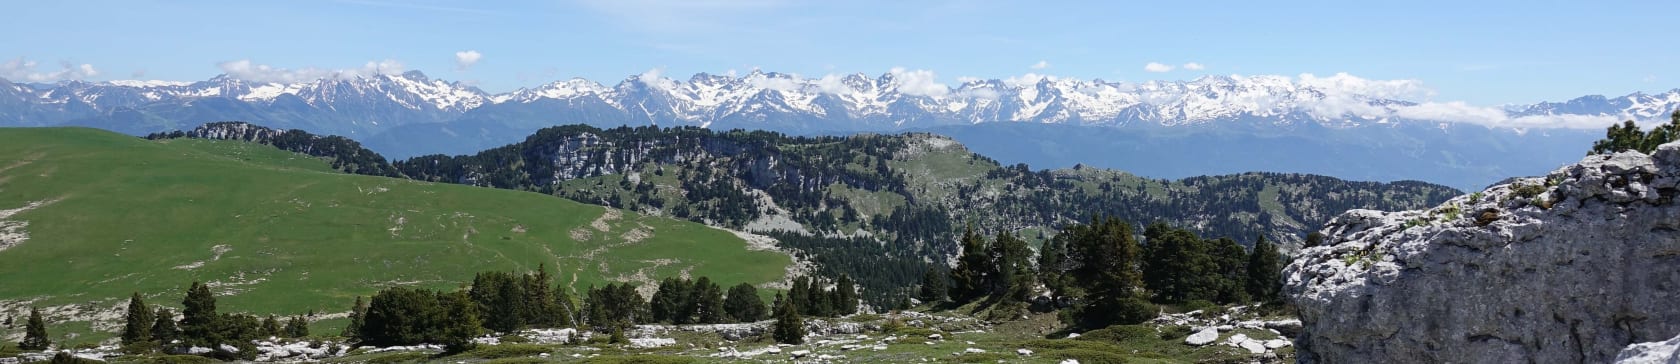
[1479,52]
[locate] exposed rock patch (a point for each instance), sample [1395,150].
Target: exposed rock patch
[1571,267]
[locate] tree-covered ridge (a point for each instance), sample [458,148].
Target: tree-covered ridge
[343,153]
[900,187]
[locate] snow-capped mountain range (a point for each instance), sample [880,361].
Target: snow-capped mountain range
[777,101]
[1138,125]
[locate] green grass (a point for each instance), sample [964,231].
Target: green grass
[278,232]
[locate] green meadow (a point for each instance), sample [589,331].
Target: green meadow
[276,232]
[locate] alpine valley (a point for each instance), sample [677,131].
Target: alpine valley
[1332,125]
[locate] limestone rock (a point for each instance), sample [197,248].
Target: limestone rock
[1203,337]
[1569,267]
[1662,352]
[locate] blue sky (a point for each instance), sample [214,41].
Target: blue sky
[1487,53]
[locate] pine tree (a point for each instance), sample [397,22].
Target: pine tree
[1177,266]
[743,304]
[271,327]
[934,285]
[1265,272]
[1104,270]
[199,322]
[357,312]
[163,329]
[297,327]
[789,327]
[799,295]
[1011,259]
[565,309]
[539,305]
[1231,272]
[35,332]
[401,316]
[846,298]
[1051,262]
[501,297]
[707,299]
[1628,137]
[138,326]
[819,301]
[459,323]
[670,303]
[973,274]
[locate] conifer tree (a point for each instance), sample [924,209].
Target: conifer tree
[138,325]
[1052,258]
[1231,274]
[357,312]
[271,327]
[35,332]
[297,327]
[1105,271]
[1177,266]
[934,285]
[671,302]
[845,295]
[539,305]
[799,294]
[565,309]
[1265,272]
[707,299]
[459,323]
[820,301]
[743,304]
[163,327]
[789,327]
[1011,259]
[972,277]
[200,323]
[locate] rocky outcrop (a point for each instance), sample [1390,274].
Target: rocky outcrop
[1662,352]
[1570,267]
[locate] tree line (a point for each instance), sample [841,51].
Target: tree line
[1104,275]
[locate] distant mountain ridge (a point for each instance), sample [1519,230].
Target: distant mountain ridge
[409,114]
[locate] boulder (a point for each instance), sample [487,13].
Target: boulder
[1203,337]
[1570,267]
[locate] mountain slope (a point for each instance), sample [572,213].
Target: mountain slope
[89,216]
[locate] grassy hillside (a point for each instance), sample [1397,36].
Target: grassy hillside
[277,232]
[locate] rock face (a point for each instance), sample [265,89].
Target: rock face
[1570,267]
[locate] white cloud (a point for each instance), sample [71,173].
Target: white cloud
[918,83]
[1193,66]
[244,69]
[781,84]
[21,69]
[1026,80]
[1346,95]
[1042,64]
[653,78]
[466,59]
[833,84]
[1157,67]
